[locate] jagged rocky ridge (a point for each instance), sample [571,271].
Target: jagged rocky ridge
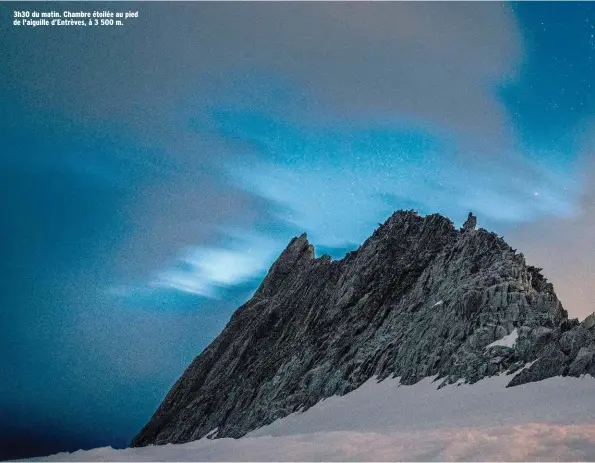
[419,298]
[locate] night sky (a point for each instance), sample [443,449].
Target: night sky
[150,174]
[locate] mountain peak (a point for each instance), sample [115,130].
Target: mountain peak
[419,298]
[470,223]
[296,255]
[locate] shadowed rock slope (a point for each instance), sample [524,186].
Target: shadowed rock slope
[419,298]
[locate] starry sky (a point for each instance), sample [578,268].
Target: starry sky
[150,174]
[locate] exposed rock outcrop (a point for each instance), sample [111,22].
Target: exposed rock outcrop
[470,223]
[419,298]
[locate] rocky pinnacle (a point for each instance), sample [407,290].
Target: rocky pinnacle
[418,298]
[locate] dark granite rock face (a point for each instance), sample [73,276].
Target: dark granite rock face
[550,363]
[470,223]
[419,298]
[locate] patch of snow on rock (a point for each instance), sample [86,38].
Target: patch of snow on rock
[507,341]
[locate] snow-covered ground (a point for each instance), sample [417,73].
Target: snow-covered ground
[550,420]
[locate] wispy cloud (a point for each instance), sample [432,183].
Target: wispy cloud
[207,270]
[529,442]
[325,176]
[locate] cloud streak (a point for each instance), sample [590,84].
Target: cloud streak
[206,271]
[529,442]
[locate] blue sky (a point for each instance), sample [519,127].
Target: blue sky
[151,174]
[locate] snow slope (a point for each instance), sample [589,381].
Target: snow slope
[549,420]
